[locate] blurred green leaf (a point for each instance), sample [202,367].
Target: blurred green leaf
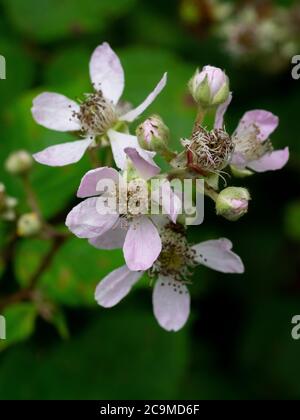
[124,353]
[292,220]
[144,67]
[19,70]
[51,20]
[269,354]
[73,275]
[20,320]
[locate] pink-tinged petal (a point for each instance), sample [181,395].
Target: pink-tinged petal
[89,182]
[264,121]
[119,142]
[114,287]
[143,162]
[270,161]
[221,111]
[171,303]
[112,239]
[238,160]
[142,244]
[85,221]
[63,154]
[217,254]
[170,202]
[107,73]
[135,113]
[55,111]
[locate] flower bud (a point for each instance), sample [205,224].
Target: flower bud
[29,224]
[153,134]
[209,87]
[232,203]
[19,162]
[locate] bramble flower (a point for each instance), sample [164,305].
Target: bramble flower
[172,272]
[252,146]
[96,117]
[129,223]
[19,162]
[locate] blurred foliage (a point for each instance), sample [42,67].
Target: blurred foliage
[237,343]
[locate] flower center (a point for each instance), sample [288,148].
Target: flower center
[247,143]
[177,257]
[96,114]
[210,150]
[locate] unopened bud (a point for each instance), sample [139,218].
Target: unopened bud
[153,134]
[19,162]
[29,224]
[209,87]
[232,203]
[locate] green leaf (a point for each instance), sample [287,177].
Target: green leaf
[144,67]
[292,220]
[74,273]
[20,320]
[19,71]
[51,20]
[123,354]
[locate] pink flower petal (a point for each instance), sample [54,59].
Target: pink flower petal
[114,287]
[85,221]
[112,239]
[119,142]
[171,303]
[265,121]
[170,202]
[217,254]
[63,154]
[142,244]
[135,113]
[88,185]
[55,111]
[221,111]
[270,161]
[143,162]
[107,73]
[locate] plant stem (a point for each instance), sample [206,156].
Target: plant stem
[26,293]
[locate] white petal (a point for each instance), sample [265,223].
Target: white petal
[171,303]
[63,154]
[89,182]
[85,221]
[107,73]
[55,111]
[217,254]
[114,287]
[119,142]
[135,113]
[221,111]
[142,244]
[170,202]
[143,162]
[270,161]
[112,239]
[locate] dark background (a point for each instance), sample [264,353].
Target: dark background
[237,343]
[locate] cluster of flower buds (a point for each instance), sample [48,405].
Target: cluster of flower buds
[135,206]
[264,34]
